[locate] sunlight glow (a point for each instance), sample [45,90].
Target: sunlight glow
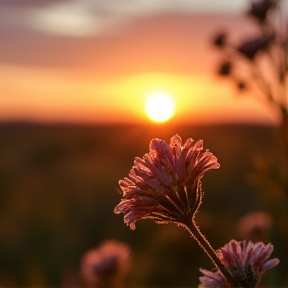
[112,100]
[159,107]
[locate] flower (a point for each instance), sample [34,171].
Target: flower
[107,265]
[212,279]
[246,261]
[165,184]
[255,225]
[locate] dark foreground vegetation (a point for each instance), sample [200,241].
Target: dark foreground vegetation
[59,186]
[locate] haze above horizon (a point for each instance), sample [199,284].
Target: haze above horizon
[97,61]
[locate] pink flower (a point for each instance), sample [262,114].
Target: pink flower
[165,184]
[106,265]
[245,261]
[212,279]
[255,226]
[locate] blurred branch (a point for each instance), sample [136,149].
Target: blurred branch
[268,47]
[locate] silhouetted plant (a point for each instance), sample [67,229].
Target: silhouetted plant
[259,65]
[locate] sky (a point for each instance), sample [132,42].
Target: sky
[98,60]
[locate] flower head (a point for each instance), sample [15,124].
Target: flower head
[212,279]
[165,184]
[246,262]
[106,265]
[255,226]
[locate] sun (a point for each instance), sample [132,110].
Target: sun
[159,107]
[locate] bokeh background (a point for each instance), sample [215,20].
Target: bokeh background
[74,76]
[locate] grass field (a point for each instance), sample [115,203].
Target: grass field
[58,189]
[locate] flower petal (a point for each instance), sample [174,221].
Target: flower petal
[164,184]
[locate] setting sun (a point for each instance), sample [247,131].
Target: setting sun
[159,107]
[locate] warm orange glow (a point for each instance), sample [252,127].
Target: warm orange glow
[62,95]
[159,107]
[98,78]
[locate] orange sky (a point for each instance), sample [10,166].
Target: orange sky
[106,78]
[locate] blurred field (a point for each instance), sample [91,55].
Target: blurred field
[58,189]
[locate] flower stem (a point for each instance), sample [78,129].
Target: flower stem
[206,246]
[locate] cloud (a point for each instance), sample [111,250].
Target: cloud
[67,18]
[94,17]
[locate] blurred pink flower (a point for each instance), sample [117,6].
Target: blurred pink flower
[245,261]
[165,184]
[107,265]
[255,226]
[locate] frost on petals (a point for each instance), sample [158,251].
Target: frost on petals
[165,184]
[245,261]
